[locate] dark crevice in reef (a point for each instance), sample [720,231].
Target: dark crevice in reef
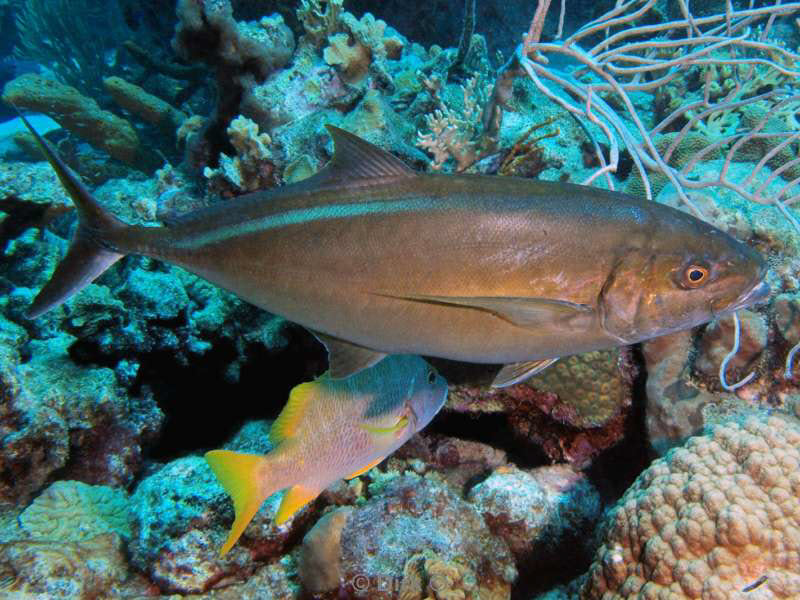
[204,409]
[490,429]
[615,470]
[203,404]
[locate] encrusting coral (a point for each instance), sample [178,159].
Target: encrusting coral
[713,519]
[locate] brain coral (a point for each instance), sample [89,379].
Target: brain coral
[73,511]
[716,519]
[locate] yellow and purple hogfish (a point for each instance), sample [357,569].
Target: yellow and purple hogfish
[329,429]
[377,259]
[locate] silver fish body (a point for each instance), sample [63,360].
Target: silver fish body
[378,259]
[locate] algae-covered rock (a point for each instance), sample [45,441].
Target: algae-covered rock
[76,113]
[181,517]
[542,514]
[412,515]
[95,568]
[57,415]
[73,511]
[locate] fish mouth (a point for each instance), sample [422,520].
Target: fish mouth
[755,295]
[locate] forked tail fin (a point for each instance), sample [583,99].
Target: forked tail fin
[90,253]
[242,476]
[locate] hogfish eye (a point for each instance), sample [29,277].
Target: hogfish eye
[695,276]
[431,377]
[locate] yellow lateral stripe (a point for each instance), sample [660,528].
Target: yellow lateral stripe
[383,430]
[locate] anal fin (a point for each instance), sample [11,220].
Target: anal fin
[363,470]
[517,372]
[295,498]
[346,358]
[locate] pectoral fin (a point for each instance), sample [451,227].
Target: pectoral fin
[530,313]
[516,372]
[365,469]
[295,498]
[401,424]
[345,358]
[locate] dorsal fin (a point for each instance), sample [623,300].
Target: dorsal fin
[356,159]
[285,426]
[353,160]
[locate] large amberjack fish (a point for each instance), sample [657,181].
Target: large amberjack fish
[330,429]
[377,259]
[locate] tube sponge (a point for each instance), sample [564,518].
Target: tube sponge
[76,113]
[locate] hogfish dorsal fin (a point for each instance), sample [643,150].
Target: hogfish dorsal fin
[355,159]
[285,426]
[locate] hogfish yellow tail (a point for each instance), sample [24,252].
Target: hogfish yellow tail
[89,255]
[241,475]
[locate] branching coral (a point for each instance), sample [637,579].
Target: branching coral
[252,167]
[455,133]
[320,18]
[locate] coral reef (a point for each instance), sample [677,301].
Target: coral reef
[243,54]
[107,402]
[712,519]
[176,537]
[56,416]
[564,412]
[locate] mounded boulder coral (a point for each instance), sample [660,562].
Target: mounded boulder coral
[592,387]
[709,520]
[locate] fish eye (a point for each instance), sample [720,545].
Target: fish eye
[431,377]
[695,275]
